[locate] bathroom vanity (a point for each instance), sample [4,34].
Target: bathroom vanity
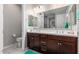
[52,44]
[51,31]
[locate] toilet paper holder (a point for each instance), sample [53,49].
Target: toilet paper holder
[14,36]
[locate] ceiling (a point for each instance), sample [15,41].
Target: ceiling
[35,5]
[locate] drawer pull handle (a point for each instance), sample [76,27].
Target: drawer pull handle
[43,42]
[43,45]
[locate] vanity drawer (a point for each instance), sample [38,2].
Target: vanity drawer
[69,39]
[52,37]
[43,36]
[63,38]
[33,34]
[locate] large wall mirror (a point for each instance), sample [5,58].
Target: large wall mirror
[32,21]
[59,18]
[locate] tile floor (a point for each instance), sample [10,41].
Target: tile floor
[1,52]
[13,50]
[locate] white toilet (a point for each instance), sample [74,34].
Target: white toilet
[18,40]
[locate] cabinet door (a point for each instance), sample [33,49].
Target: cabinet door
[31,42]
[53,46]
[67,47]
[36,42]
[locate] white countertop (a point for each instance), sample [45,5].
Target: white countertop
[56,32]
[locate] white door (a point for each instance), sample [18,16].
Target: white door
[1,27]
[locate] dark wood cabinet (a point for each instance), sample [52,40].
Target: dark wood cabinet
[52,44]
[30,41]
[36,42]
[33,41]
[67,47]
[62,44]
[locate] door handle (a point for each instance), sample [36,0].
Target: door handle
[59,43]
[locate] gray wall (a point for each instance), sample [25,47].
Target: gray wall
[12,23]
